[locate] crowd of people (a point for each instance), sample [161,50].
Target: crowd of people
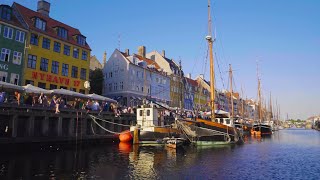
[57,102]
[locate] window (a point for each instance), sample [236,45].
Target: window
[110,87]
[46,43]
[41,85]
[115,86]
[148,112]
[121,85]
[62,32]
[82,91]
[75,53]
[17,57]
[74,72]
[52,86]
[40,24]
[14,79]
[73,89]
[221,120]
[29,82]
[5,54]
[227,121]
[56,47]
[7,32]
[65,69]
[20,36]
[81,40]
[34,39]
[55,67]
[140,113]
[6,13]
[83,74]
[63,87]
[66,50]
[32,61]
[84,55]
[3,76]
[44,64]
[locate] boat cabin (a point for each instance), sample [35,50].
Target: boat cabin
[225,121]
[149,117]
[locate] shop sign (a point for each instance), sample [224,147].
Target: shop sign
[4,67]
[55,79]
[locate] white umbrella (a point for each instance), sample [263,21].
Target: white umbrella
[33,89]
[68,93]
[5,85]
[100,98]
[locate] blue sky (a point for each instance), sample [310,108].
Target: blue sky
[283,36]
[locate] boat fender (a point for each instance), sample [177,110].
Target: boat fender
[227,138]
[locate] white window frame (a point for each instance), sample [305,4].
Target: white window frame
[17,57]
[41,24]
[14,77]
[4,75]
[5,51]
[8,32]
[20,36]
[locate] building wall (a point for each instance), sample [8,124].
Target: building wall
[38,76]
[12,69]
[94,63]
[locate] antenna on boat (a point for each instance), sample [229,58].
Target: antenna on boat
[210,43]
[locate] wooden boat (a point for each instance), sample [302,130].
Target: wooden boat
[174,142]
[150,126]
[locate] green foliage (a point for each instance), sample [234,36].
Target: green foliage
[96,81]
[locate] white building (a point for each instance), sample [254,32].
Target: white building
[130,79]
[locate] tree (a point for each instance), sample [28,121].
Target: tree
[96,81]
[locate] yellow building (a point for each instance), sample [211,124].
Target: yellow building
[202,94]
[57,55]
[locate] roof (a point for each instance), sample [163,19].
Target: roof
[148,61]
[192,82]
[14,21]
[29,14]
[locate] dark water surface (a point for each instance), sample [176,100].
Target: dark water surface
[287,154]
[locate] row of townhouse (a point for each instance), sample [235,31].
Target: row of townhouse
[130,78]
[39,50]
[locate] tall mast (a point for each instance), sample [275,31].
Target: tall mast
[231,90]
[242,104]
[271,115]
[259,98]
[210,43]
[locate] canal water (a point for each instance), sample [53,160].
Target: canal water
[287,154]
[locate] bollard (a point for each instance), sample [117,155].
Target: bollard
[136,135]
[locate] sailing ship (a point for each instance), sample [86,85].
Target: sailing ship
[219,128]
[260,127]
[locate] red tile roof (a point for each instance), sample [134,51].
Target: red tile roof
[29,14]
[14,21]
[148,61]
[192,82]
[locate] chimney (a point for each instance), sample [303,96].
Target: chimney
[105,57]
[43,7]
[127,52]
[201,76]
[189,75]
[142,51]
[163,54]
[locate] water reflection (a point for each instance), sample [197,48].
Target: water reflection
[281,155]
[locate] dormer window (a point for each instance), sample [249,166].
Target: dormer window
[62,32]
[81,40]
[5,12]
[41,24]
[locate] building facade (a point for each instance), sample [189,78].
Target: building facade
[95,63]
[132,78]
[12,46]
[189,95]
[58,55]
[175,73]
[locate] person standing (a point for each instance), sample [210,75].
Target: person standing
[17,96]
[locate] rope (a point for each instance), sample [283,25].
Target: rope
[112,132]
[93,117]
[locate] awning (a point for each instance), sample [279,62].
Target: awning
[33,89]
[133,97]
[139,98]
[5,85]
[100,98]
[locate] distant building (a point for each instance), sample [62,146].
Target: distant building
[189,93]
[95,63]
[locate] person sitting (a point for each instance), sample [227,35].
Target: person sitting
[95,106]
[29,100]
